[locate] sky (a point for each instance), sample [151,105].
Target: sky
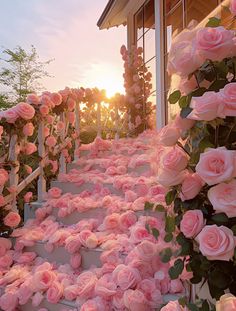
[66,31]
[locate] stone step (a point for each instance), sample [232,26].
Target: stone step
[90,257]
[98,213]
[73,188]
[65,305]
[62,305]
[101,154]
[138,170]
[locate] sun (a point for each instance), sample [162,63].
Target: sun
[111,85]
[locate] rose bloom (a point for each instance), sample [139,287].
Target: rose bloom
[29,148]
[12,220]
[146,250]
[25,111]
[191,186]
[173,306]
[32,99]
[54,192]
[168,178]
[2,200]
[227,302]
[174,159]
[183,124]
[127,220]
[86,282]
[28,129]
[228,99]
[88,239]
[51,141]
[223,198]
[135,300]
[28,196]
[10,115]
[75,260]
[206,107]
[55,292]
[3,177]
[216,165]
[56,98]
[215,43]
[9,301]
[169,135]
[105,287]
[43,279]
[5,245]
[192,223]
[44,110]
[216,243]
[126,277]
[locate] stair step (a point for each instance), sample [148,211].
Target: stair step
[90,257]
[98,213]
[73,188]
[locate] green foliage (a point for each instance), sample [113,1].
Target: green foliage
[22,72]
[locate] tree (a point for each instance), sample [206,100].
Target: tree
[22,73]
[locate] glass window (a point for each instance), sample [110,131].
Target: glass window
[170,4]
[151,66]
[149,45]
[149,16]
[139,23]
[197,10]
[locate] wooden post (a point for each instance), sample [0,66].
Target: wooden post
[77,130]
[62,161]
[13,178]
[41,152]
[99,129]
[117,136]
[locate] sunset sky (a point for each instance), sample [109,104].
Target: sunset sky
[66,30]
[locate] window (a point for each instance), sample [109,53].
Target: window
[179,14]
[144,21]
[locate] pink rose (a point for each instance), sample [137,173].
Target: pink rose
[5,245]
[26,257]
[29,148]
[71,104]
[146,250]
[6,260]
[168,178]
[56,98]
[2,200]
[138,233]
[32,99]
[227,302]
[55,292]
[173,306]
[28,129]
[233,7]
[110,222]
[25,111]
[183,124]
[175,159]
[8,301]
[12,219]
[28,169]
[71,117]
[37,299]
[3,177]
[223,198]
[75,260]
[127,220]
[86,282]
[216,165]
[24,293]
[72,244]
[28,196]
[10,115]
[192,223]
[169,135]
[135,300]
[43,279]
[228,99]
[105,286]
[215,43]
[44,110]
[216,243]
[71,292]
[51,141]
[126,277]
[88,239]
[206,107]
[191,186]
[54,192]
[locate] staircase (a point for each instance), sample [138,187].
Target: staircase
[93,220]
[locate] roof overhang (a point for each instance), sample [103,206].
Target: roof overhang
[113,14]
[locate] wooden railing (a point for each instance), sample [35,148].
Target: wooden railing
[66,139]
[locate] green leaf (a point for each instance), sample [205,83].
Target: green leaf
[217,85]
[160,208]
[168,237]
[183,102]
[233,229]
[204,144]
[170,196]
[182,301]
[174,97]
[165,255]
[170,224]
[155,233]
[213,22]
[192,307]
[147,227]
[148,206]
[220,218]
[177,269]
[205,306]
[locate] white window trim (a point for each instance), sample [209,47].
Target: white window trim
[160,67]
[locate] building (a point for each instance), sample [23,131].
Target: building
[152,24]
